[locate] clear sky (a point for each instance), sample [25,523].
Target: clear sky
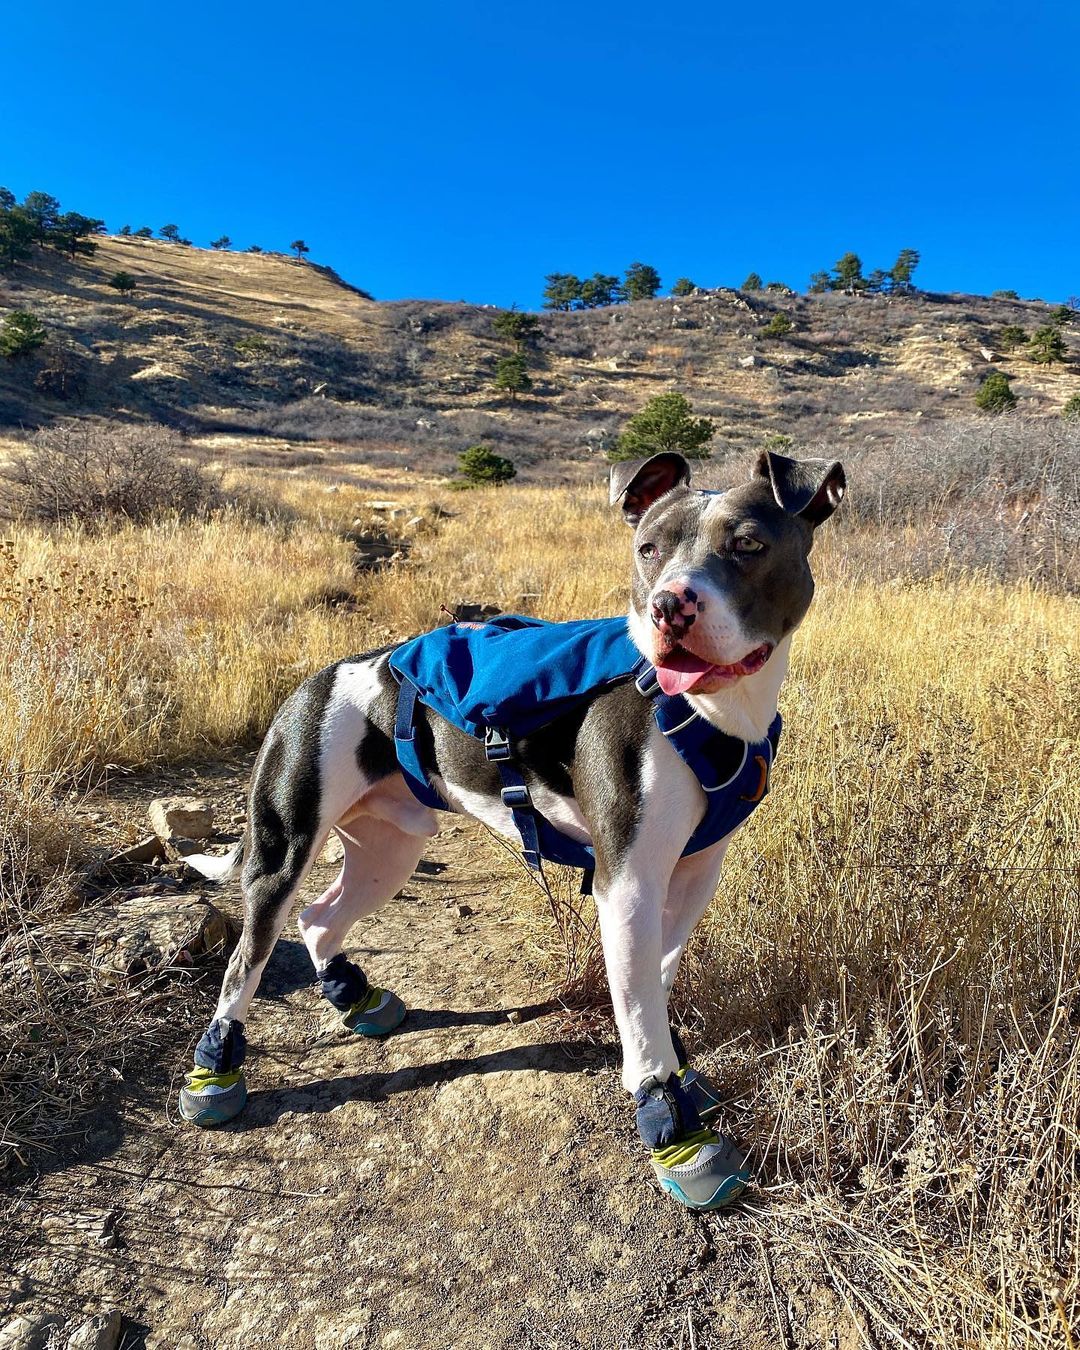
[463,151]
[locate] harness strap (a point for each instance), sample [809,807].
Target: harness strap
[515,794]
[405,744]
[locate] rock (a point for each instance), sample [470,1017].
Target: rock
[147,850]
[29,1331]
[182,818]
[746,361]
[463,911]
[384,508]
[99,1333]
[333,852]
[144,933]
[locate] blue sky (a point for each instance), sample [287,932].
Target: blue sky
[464,151]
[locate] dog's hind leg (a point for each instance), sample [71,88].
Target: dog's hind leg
[379,859]
[291,809]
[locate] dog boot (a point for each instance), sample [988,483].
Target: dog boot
[703,1093]
[696,1166]
[214,1092]
[377,1014]
[365,1010]
[703,1171]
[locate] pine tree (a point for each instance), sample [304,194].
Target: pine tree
[123,282]
[600,290]
[904,267]
[778,326]
[20,334]
[171,233]
[849,275]
[641,282]
[483,468]
[17,234]
[512,376]
[1047,345]
[562,291]
[684,286]
[1010,337]
[752,283]
[665,423]
[523,330]
[820,282]
[125,231]
[43,209]
[223,242]
[995,395]
[299,248]
[144,232]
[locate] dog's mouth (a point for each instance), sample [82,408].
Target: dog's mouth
[679,671]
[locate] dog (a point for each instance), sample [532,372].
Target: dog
[719,583]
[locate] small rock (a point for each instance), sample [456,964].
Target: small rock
[147,850]
[333,852]
[99,1333]
[514,1015]
[181,818]
[463,911]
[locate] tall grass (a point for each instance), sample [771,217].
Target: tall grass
[886,984]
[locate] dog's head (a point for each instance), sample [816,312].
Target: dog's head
[721,578]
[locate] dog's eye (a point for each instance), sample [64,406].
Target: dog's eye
[744,544]
[648,551]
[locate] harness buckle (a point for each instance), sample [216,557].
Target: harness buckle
[516,797]
[496,744]
[646,683]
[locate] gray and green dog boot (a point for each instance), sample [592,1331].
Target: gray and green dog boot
[365,1010]
[214,1091]
[698,1167]
[377,1014]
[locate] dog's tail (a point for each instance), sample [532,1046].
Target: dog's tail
[215,868]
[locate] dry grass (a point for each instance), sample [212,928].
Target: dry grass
[887,982]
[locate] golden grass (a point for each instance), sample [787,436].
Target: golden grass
[886,984]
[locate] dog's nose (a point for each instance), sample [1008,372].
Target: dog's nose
[674,611]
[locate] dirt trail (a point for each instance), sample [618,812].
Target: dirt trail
[473,1181]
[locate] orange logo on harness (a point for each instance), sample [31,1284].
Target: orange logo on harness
[763,765]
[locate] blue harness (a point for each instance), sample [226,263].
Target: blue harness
[508,677]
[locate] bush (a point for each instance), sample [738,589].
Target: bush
[665,423]
[481,467]
[1071,410]
[995,395]
[778,326]
[1004,295]
[1011,336]
[1047,345]
[105,472]
[20,334]
[123,282]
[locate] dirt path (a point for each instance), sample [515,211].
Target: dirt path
[473,1181]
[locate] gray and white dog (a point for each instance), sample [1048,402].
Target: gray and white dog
[720,582]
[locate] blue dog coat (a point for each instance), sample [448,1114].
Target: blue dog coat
[504,679]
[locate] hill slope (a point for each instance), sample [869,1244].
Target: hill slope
[262,343]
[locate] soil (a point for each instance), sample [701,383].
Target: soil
[475,1180]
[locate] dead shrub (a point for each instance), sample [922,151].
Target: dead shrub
[97,472]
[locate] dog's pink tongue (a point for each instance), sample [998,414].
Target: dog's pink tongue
[683,673]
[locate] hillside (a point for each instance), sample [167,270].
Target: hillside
[247,344]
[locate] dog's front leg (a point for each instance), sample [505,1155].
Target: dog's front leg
[630,907]
[692,887]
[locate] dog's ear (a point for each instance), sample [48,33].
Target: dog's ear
[811,489]
[637,483]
